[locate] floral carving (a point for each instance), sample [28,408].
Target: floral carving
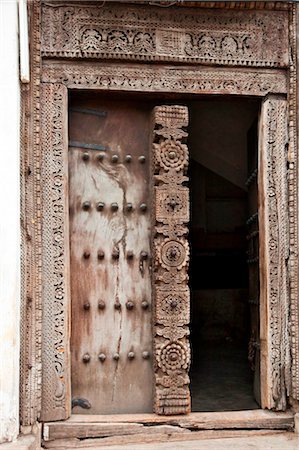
[173,357]
[172,307]
[142,33]
[171,154]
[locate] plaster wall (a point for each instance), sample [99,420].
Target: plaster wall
[9,222]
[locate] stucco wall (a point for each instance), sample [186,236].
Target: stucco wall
[9,221]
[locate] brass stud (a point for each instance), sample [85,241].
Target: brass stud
[114,158]
[143,207]
[128,158]
[129,207]
[114,206]
[144,304]
[115,254]
[100,157]
[131,355]
[143,255]
[117,306]
[172,154]
[85,156]
[145,355]
[102,357]
[100,206]
[101,254]
[86,254]
[116,356]
[101,304]
[86,358]
[130,254]
[141,159]
[130,304]
[86,306]
[86,206]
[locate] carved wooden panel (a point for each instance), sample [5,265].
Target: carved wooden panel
[111,339]
[274,254]
[55,280]
[149,33]
[152,78]
[171,258]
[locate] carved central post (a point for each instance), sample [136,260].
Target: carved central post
[171,258]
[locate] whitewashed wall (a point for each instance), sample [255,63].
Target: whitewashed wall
[9,221]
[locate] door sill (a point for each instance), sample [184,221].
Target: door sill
[80,426]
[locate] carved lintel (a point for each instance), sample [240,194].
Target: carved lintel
[149,33]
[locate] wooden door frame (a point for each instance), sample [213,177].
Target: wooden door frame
[46,300]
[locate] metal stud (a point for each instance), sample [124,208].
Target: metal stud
[114,158]
[117,306]
[145,355]
[129,207]
[86,206]
[130,254]
[86,306]
[85,156]
[86,358]
[115,254]
[172,154]
[86,254]
[130,304]
[141,159]
[114,206]
[131,355]
[128,158]
[100,157]
[116,356]
[144,304]
[143,207]
[143,255]
[100,206]
[101,304]
[101,254]
[102,357]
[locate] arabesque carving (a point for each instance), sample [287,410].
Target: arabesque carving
[171,257]
[148,33]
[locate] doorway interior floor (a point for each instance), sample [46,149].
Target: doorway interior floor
[221,379]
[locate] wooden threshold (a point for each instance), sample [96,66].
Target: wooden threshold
[101,426]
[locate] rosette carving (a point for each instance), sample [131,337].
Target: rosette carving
[171,154]
[173,356]
[173,254]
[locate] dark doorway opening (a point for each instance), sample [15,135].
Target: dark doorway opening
[223,156]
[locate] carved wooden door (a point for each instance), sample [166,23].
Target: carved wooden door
[253,259]
[111,331]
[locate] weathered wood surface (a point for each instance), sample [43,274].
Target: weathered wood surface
[158,438]
[92,426]
[104,279]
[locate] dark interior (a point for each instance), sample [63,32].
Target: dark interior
[221,378]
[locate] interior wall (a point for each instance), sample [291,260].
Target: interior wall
[218,172]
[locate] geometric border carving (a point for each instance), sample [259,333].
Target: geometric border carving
[55,280]
[274,254]
[151,78]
